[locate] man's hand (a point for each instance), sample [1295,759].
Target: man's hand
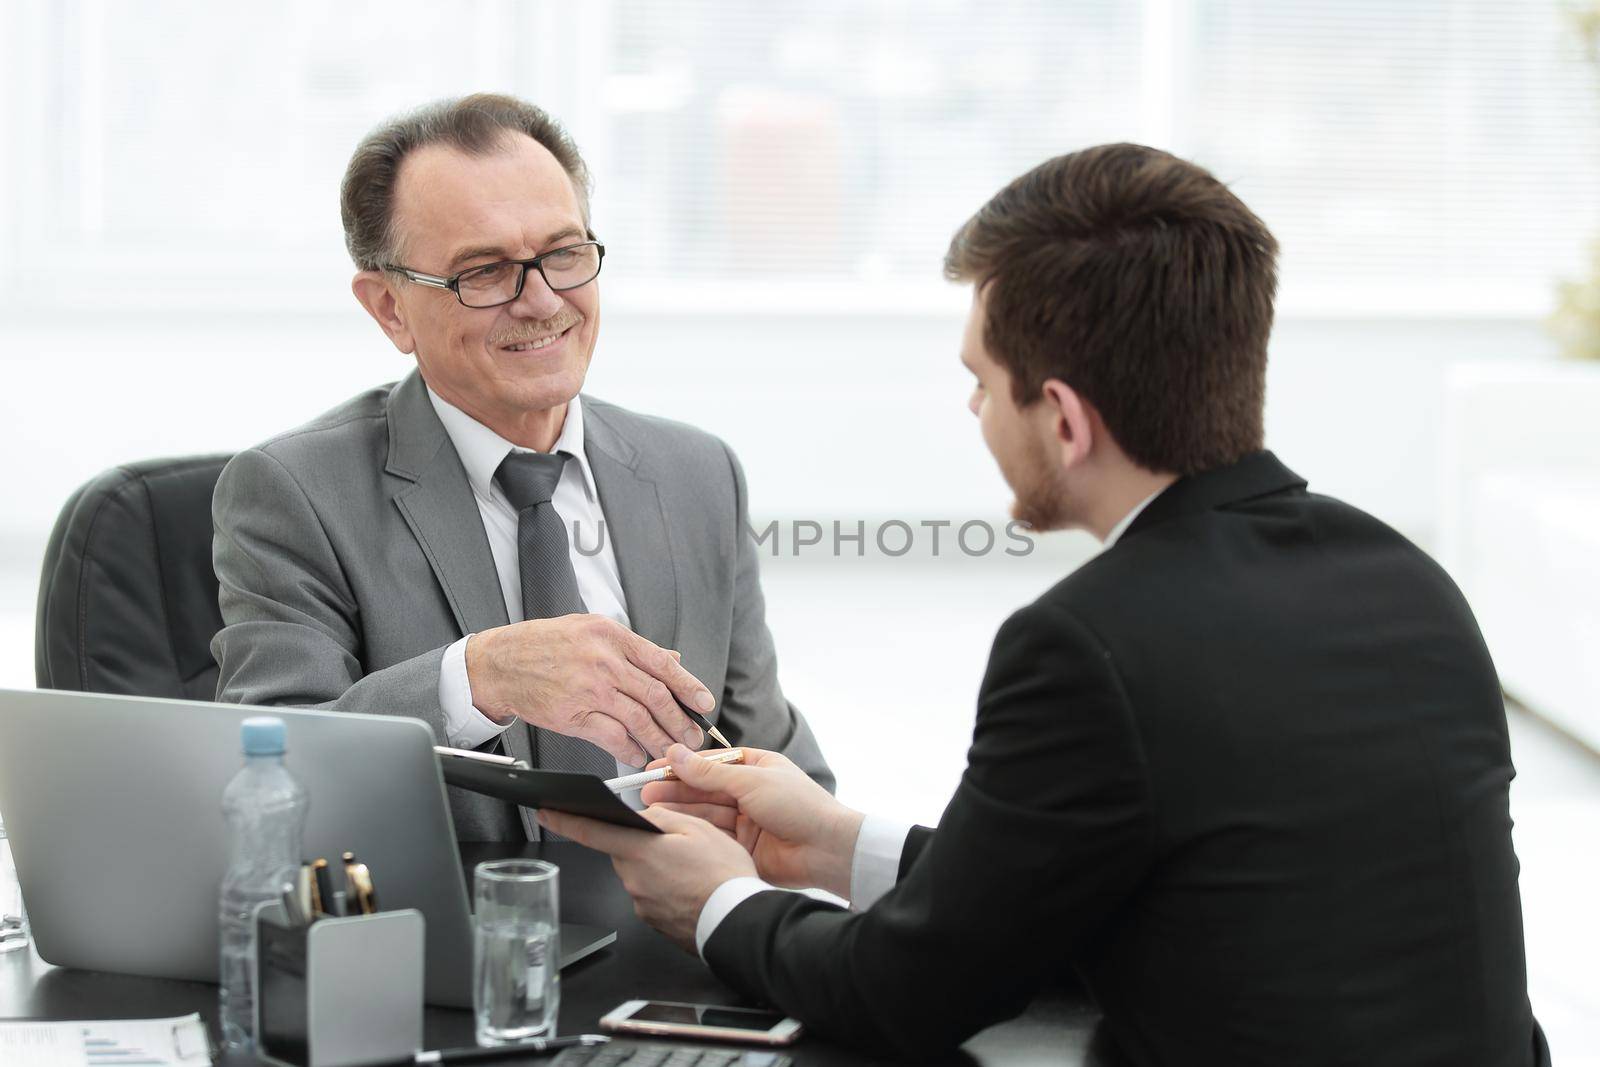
[671,875]
[798,835]
[590,677]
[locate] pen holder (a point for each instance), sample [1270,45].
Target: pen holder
[339,992]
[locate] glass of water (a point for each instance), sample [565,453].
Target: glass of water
[516,950]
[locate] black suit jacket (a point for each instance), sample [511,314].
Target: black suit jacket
[1246,772]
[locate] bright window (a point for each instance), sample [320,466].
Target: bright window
[1427,156]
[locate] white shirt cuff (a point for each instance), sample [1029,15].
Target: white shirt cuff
[464,725]
[724,899]
[876,864]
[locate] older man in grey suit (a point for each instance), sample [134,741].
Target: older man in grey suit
[477,545]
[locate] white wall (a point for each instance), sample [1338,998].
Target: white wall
[836,415]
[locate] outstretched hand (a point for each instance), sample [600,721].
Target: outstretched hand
[798,835]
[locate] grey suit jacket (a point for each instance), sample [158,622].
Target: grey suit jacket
[351,553]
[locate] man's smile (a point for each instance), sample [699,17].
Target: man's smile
[544,339]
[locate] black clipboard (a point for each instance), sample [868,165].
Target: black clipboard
[568,791]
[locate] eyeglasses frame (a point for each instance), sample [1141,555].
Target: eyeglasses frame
[453,282]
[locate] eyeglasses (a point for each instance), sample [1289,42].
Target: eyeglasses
[499,283]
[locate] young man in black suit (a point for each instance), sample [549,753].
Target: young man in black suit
[1246,771]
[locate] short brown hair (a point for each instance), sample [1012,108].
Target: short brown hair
[474,124]
[1143,283]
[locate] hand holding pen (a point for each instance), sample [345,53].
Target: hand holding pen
[666,774]
[543,671]
[704,724]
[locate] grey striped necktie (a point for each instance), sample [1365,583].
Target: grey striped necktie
[549,585]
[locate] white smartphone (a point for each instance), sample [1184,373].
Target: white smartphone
[662,1017]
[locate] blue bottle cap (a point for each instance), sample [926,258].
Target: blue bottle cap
[262,735]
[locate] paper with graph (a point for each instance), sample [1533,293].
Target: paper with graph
[176,1042]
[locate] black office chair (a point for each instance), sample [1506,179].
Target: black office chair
[128,597]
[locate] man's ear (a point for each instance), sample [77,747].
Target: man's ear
[1072,422]
[376,291]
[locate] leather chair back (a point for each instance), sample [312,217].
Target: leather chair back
[128,597]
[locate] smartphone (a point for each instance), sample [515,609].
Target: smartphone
[661,1017]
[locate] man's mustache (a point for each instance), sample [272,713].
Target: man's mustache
[534,331]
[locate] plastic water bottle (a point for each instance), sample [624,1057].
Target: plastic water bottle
[266,812]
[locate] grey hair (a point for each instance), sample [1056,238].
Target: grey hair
[474,124]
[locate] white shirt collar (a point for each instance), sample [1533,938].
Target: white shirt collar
[482,450]
[1127,520]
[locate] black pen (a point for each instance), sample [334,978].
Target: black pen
[536,1046]
[324,884]
[704,724]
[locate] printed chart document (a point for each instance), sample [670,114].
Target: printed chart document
[176,1042]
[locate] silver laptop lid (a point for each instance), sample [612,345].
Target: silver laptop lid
[114,809]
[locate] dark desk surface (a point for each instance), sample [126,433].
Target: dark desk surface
[642,964]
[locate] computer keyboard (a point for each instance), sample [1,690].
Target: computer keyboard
[661,1055]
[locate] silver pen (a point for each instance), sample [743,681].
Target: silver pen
[665,774]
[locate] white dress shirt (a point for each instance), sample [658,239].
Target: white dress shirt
[875,864]
[1127,520]
[575,500]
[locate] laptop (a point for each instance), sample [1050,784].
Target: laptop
[114,809]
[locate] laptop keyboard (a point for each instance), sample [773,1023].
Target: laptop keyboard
[659,1055]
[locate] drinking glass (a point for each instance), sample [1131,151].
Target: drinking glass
[516,950]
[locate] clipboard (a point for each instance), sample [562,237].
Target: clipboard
[507,779]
